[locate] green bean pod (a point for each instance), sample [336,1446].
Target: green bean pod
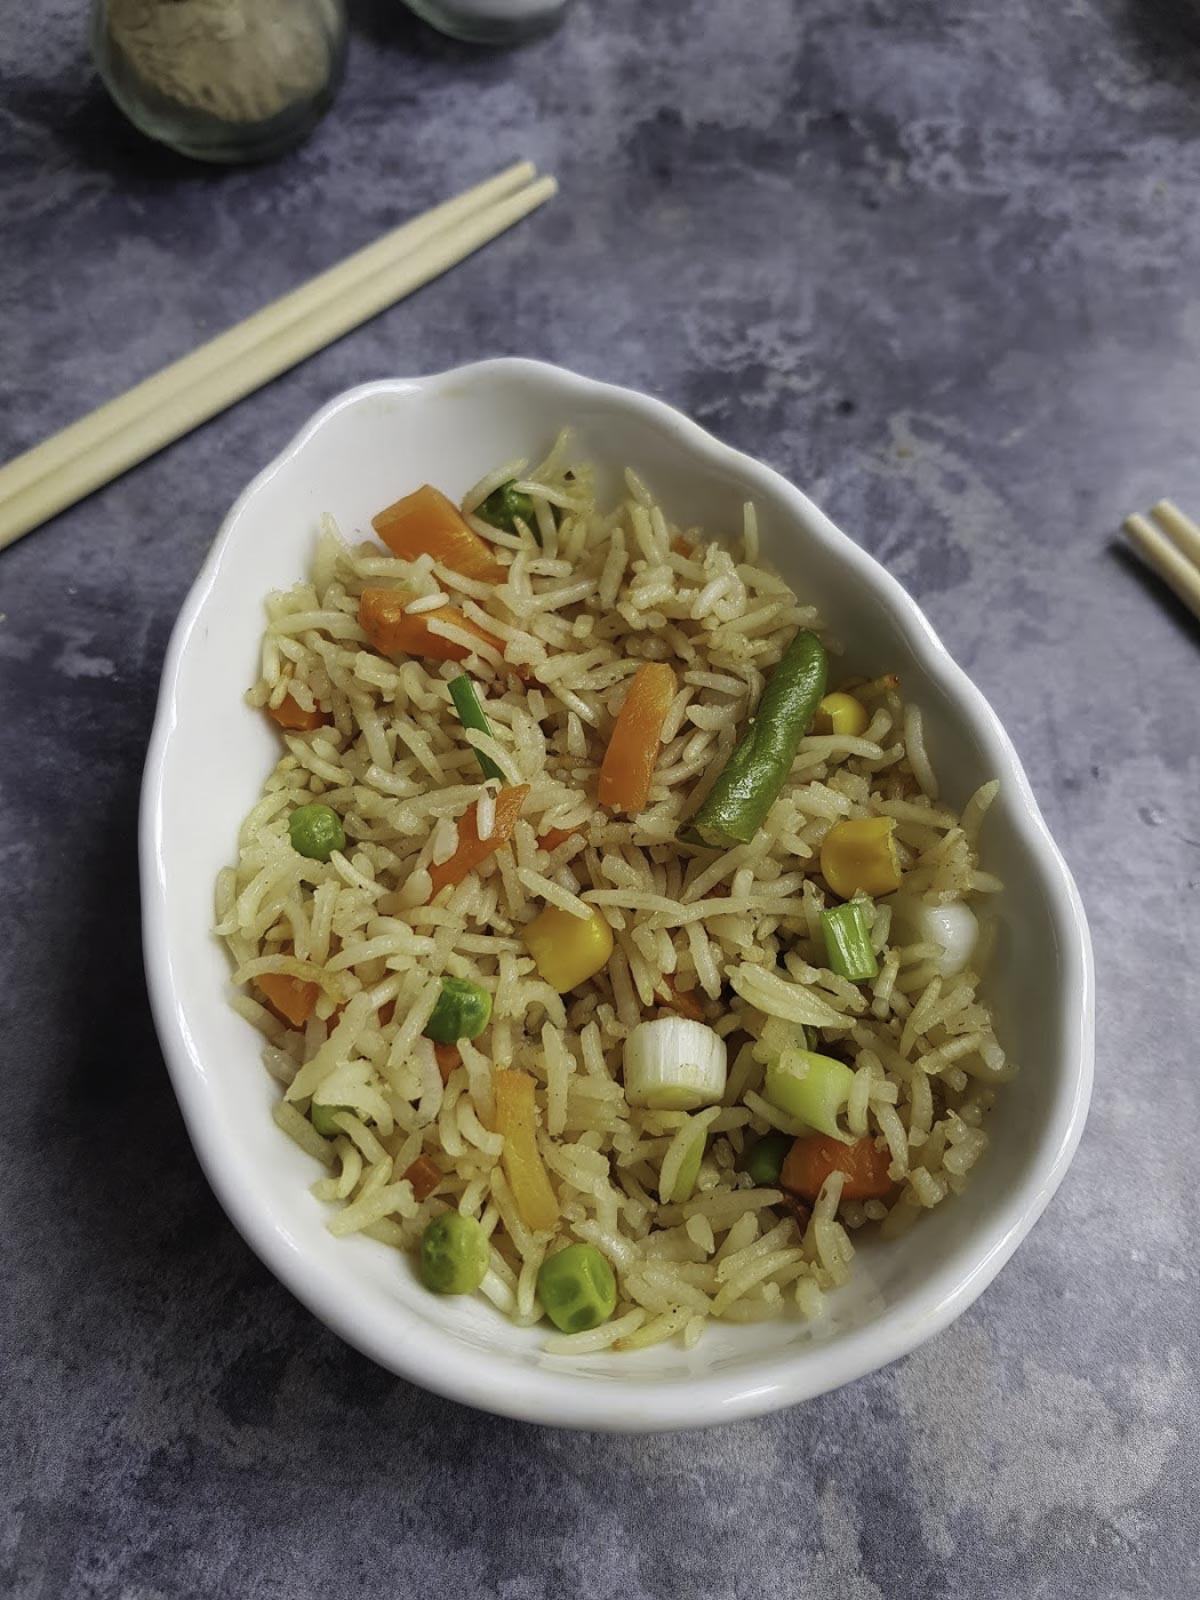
[737,804]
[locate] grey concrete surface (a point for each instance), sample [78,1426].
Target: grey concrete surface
[939,264]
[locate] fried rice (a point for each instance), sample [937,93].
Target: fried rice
[591,593]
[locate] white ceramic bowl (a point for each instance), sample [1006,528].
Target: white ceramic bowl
[209,754]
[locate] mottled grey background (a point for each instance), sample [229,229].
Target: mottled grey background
[939,265]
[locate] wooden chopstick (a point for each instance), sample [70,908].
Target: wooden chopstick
[1174,553]
[1181,530]
[91,452]
[236,341]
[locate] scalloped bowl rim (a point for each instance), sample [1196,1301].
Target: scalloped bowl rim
[421,1352]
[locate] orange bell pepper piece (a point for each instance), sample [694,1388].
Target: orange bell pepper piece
[291,998]
[427,523]
[633,747]
[472,850]
[523,1165]
[812,1158]
[392,631]
[291,715]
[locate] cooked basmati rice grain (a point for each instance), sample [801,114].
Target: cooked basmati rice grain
[485,814]
[302,1131]
[809,1299]
[426,602]
[699,1230]
[372,1207]
[656,1331]
[925,1187]
[601,1338]
[502,1296]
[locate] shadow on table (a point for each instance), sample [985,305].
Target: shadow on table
[144,1184]
[390,25]
[98,137]
[215,1348]
[1164,599]
[1166,33]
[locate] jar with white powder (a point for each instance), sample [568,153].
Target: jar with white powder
[491,21]
[221,80]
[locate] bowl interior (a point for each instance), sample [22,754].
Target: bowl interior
[212,754]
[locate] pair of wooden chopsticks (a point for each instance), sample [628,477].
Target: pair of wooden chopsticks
[1170,543]
[45,480]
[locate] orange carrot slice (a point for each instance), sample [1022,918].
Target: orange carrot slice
[516,1122]
[426,523]
[291,998]
[291,715]
[633,747]
[472,850]
[392,631]
[811,1159]
[424,1177]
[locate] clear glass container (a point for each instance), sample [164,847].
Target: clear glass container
[491,21]
[221,80]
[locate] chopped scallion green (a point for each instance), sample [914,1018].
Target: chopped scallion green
[472,715]
[848,941]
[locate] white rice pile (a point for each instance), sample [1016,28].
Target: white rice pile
[606,591]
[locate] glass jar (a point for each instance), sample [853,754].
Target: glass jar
[221,80]
[491,21]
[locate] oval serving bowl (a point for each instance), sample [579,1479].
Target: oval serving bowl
[209,754]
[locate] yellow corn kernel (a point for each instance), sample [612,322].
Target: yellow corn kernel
[859,857]
[841,713]
[568,950]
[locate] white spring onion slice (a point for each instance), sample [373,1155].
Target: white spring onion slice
[952,926]
[673,1064]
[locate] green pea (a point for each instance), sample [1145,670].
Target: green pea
[504,505]
[454,1254]
[577,1288]
[463,1011]
[316,831]
[322,1119]
[764,1159]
